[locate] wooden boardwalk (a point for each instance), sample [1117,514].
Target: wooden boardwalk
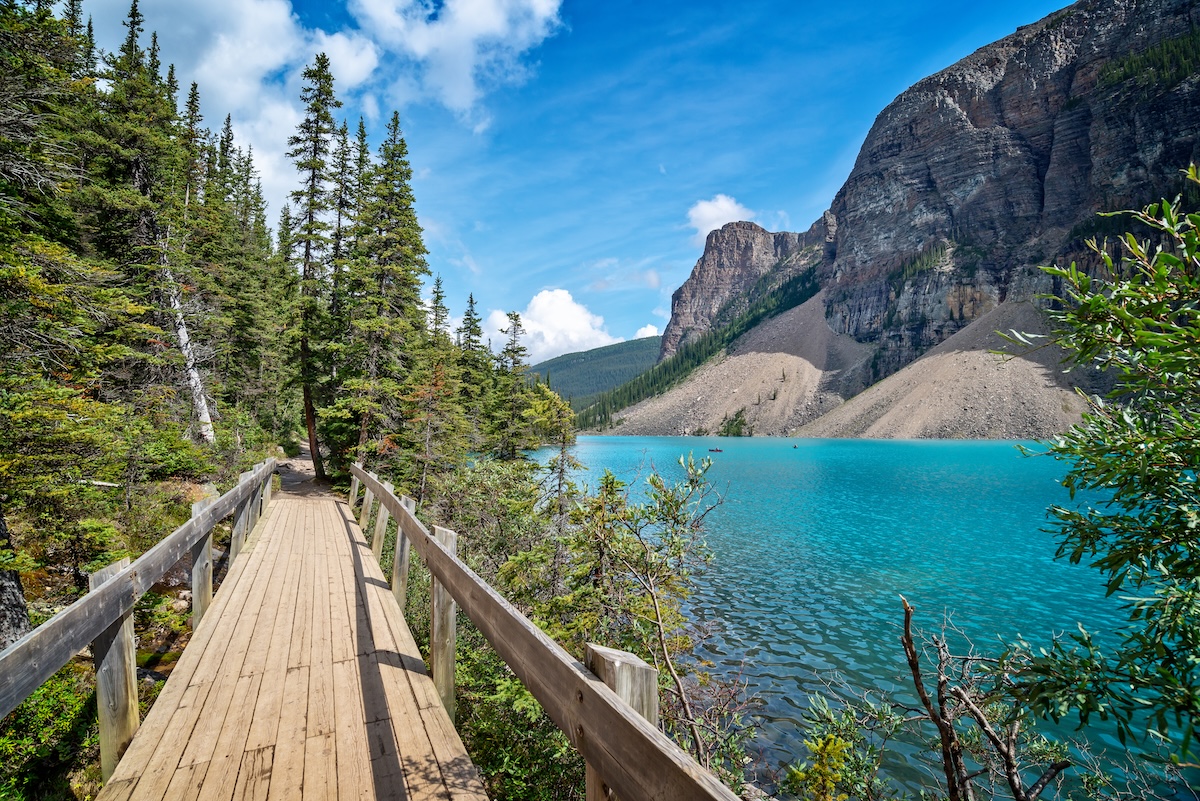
[302,681]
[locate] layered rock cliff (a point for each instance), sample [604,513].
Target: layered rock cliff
[740,260]
[974,176]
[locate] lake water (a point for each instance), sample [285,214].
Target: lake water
[815,540]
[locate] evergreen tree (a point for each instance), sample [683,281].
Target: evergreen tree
[434,415]
[310,150]
[386,284]
[475,369]
[510,429]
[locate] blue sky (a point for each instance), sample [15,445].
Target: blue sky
[570,156]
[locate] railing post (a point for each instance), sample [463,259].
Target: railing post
[443,637]
[354,487]
[268,488]
[381,521]
[241,521]
[368,499]
[116,680]
[400,560]
[255,508]
[636,682]
[202,568]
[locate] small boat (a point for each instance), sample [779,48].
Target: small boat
[715,450]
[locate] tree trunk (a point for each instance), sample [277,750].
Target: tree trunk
[14,614]
[174,297]
[310,420]
[195,382]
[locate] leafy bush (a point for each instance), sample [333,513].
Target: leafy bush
[51,737]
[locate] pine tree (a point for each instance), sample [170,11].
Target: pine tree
[310,150]
[510,430]
[386,283]
[345,204]
[434,415]
[475,369]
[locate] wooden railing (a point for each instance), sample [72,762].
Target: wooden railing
[103,617]
[627,755]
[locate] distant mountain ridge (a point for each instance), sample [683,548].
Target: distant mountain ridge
[974,176]
[581,376]
[967,182]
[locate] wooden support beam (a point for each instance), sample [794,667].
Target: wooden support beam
[380,533]
[443,637]
[635,758]
[636,682]
[401,558]
[365,517]
[37,656]
[116,680]
[255,506]
[241,522]
[202,568]
[268,488]
[352,498]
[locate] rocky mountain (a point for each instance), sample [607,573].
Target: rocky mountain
[974,176]
[741,261]
[788,377]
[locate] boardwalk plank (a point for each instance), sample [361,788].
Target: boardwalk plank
[287,779]
[232,665]
[320,692]
[271,697]
[254,776]
[303,681]
[226,763]
[320,768]
[353,754]
[186,782]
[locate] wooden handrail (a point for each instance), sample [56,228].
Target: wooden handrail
[30,661]
[630,754]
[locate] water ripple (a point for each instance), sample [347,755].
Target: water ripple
[814,545]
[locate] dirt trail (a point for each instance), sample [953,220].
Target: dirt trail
[297,476]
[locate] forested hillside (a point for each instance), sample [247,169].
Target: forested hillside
[580,377]
[156,334]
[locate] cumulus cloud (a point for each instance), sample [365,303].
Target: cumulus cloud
[352,57]
[555,323]
[647,330]
[708,215]
[462,46]
[248,57]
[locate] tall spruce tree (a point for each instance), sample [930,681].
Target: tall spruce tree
[310,149]
[510,428]
[476,375]
[437,426]
[387,283]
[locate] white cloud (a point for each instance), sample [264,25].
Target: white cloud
[554,324]
[708,215]
[352,57]
[461,45]
[648,330]
[248,57]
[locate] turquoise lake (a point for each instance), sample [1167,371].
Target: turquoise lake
[815,540]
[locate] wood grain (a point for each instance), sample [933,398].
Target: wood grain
[634,758]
